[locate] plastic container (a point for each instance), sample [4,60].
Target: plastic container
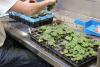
[33,22]
[57,52]
[89,27]
[65,58]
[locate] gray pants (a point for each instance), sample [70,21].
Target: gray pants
[12,54]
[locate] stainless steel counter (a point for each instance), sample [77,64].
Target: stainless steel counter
[20,32]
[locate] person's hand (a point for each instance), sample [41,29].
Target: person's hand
[30,7]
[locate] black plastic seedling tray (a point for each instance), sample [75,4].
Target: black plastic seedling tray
[63,57]
[33,22]
[56,52]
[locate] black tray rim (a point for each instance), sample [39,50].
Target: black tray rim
[60,55]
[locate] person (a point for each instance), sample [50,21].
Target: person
[11,52]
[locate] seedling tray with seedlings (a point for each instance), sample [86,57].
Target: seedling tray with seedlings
[42,18]
[61,40]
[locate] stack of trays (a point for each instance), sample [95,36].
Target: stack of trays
[32,21]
